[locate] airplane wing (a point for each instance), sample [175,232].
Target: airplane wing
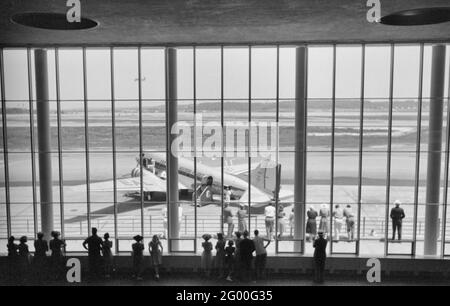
[151,183]
[240,169]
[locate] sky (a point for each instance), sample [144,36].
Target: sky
[236,73]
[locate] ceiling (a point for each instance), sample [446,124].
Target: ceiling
[212,22]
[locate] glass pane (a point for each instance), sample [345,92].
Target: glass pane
[320,73]
[264,73]
[236,73]
[348,72]
[126,85]
[16,74]
[153,74]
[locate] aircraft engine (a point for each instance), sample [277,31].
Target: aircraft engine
[136,172]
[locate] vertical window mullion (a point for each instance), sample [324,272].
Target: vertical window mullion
[33,165]
[221,123]
[418,141]
[249,136]
[113,131]
[277,120]
[389,151]
[60,161]
[446,175]
[361,144]
[86,142]
[194,81]
[5,145]
[333,128]
[141,174]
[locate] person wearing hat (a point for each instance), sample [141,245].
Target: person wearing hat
[320,255]
[397,216]
[206,260]
[138,257]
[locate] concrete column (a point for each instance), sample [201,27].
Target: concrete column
[172,161]
[434,150]
[300,145]
[44,144]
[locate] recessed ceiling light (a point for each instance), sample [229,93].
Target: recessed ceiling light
[420,16]
[52,21]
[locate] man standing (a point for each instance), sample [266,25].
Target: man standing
[242,218]
[228,219]
[397,216]
[269,212]
[350,222]
[338,215]
[320,256]
[246,249]
[261,254]
[94,246]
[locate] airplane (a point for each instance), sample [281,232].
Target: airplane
[264,183]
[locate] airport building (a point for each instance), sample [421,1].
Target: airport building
[183,119]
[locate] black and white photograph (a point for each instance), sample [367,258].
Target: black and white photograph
[245,144]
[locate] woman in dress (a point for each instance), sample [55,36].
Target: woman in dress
[206,262]
[311,224]
[138,257]
[220,254]
[107,255]
[156,249]
[57,256]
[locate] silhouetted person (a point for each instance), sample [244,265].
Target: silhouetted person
[261,254]
[237,256]
[219,260]
[107,255]
[320,255]
[229,259]
[138,257]
[246,249]
[24,259]
[156,249]
[57,256]
[13,259]
[397,216]
[40,256]
[206,259]
[94,245]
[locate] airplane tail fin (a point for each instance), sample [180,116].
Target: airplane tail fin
[266,177]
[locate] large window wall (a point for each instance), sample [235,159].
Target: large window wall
[367,137]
